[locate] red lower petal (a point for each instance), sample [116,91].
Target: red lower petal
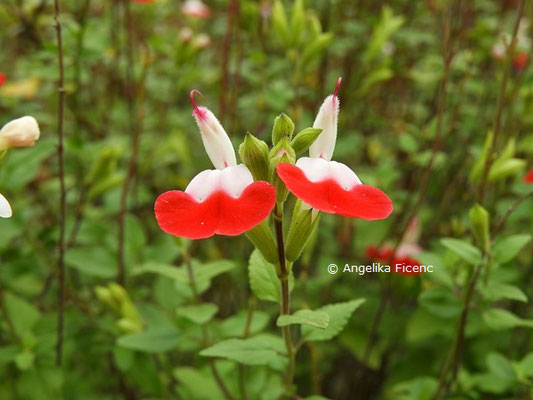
[363,201]
[179,214]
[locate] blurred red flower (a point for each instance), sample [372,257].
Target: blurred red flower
[2,78]
[402,257]
[520,60]
[528,178]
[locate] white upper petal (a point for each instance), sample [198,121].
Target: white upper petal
[5,208]
[326,120]
[318,170]
[231,180]
[216,141]
[20,132]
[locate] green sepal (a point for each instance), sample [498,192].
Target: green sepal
[262,238]
[303,223]
[303,140]
[479,222]
[283,128]
[254,154]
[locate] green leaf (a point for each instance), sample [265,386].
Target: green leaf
[440,302]
[318,319]
[264,280]
[495,291]
[258,350]
[199,314]
[95,260]
[338,318]
[500,319]
[508,248]
[526,365]
[234,325]
[152,341]
[464,250]
[25,360]
[22,315]
[197,384]
[202,273]
[503,169]
[501,367]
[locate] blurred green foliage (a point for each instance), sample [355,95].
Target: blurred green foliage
[253,60]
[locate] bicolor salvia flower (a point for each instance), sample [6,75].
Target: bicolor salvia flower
[21,132]
[223,201]
[331,186]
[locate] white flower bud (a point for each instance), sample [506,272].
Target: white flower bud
[21,132]
[216,141]
[5,208]
[326,120]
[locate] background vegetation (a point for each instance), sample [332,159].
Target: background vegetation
[436,110]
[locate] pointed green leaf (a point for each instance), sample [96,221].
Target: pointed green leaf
[318,319]
[464,250]
[339,314]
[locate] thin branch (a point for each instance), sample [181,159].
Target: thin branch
[498,227]
[63,196]
[496,126]
[285,305]
[135,131]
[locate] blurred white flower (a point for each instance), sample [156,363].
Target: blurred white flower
[186,34]
[21,132]
[195,9]
[201,41]
[5,208]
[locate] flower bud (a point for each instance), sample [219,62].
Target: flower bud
[281,189]
[5,208]
[262,238]
[304,139]
[283,128]
[304,221]
[128,326]
[254,154]
[21,132]
[326,120]
[216,141]
[479,223]
[106,297]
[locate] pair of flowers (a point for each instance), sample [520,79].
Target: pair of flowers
[227,201]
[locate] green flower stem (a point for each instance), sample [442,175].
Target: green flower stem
[454,356]
[285,306]
[205,333]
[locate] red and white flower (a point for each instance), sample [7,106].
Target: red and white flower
[195,9]
[331,186]
[224,201]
